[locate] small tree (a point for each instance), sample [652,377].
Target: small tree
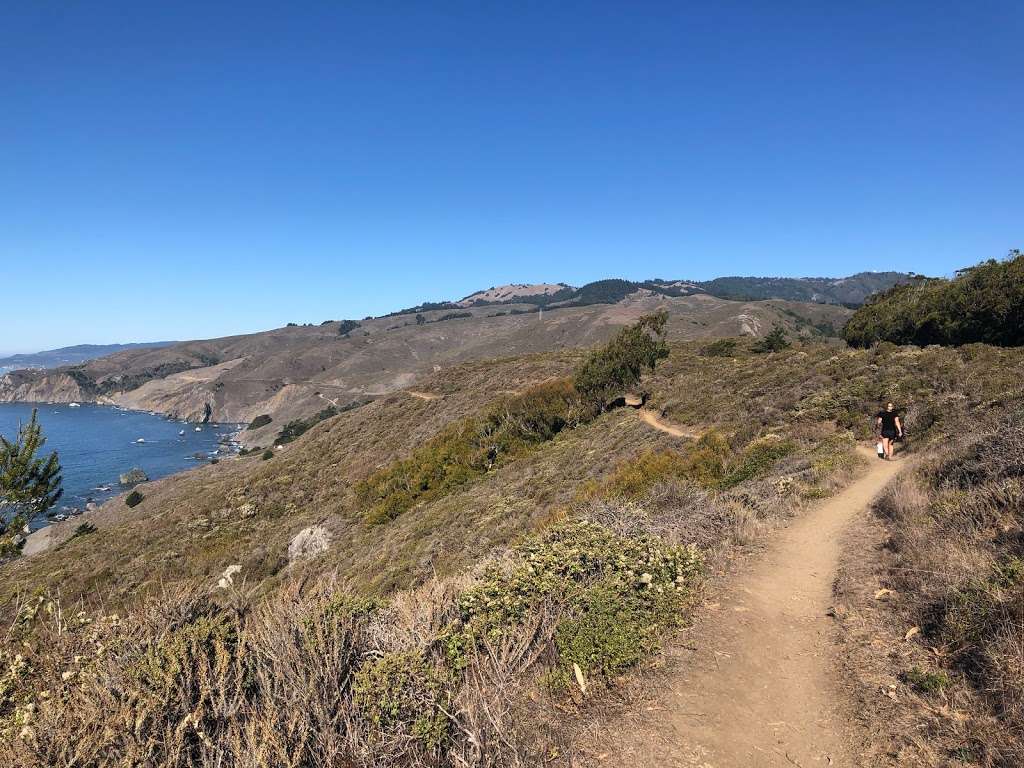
[29,483]
[421,320]
[774,341]
[620,364]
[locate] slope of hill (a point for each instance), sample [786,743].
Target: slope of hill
[984,303]
[80,353]
[849,291]
[471,626]
[294,372]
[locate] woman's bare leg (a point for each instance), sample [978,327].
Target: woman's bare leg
[887,447]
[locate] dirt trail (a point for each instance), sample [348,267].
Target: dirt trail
[758,685]
[652,418]
[422,395]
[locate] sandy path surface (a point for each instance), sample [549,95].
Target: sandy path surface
[652,418]
[422,395]
[757,686]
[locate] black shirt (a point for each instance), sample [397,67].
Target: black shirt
[888,420]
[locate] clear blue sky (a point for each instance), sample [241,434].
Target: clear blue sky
[185,169]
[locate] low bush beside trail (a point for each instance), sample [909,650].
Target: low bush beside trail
[442,675]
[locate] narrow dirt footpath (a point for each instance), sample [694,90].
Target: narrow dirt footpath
[652,419]
[757,686]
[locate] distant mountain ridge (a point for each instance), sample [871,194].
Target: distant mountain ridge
[80,353]
[849,291]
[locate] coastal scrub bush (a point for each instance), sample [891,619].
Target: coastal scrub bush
[757,458]
[609,371]
[702,462]
[317,677]
[267,454]
[984,303]
[345,327]
[133,499]
[774,341]
[260,421]
[403,696]
[618,594]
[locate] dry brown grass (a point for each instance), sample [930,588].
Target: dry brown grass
[318,676]
[952,567]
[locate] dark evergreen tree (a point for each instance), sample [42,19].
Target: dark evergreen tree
[774,341]
[30,484]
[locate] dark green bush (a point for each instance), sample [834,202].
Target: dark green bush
[267,454]
[345,327]
[616,367]
[260,421]
[133,499]
[984,304]
[774,341]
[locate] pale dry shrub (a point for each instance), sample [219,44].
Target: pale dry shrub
[957,528]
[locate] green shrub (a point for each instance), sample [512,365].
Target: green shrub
[133,499]
[83,529]
[774,341]
[345,327]
[619,365]
[260,421]
[402,695]
[619,592]
[613,629]
[926,681]
[757,458]
[984,303]
[702,463]
[267,454]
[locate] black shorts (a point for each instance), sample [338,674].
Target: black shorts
[889,434]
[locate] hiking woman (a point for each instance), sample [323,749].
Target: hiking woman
[890,427]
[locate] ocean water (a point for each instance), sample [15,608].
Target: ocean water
[97,443]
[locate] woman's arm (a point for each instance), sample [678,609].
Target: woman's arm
[899,426]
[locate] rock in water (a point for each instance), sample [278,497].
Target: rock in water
[133,476]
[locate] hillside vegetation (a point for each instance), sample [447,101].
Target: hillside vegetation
[984,303]
[473,597]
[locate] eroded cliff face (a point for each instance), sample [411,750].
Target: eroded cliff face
[40,386]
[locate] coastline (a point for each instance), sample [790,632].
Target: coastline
[96,451]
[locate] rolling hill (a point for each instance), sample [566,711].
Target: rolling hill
[80,353]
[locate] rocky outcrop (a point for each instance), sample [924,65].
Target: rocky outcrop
[133,476]
[309,542]
[40,387]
